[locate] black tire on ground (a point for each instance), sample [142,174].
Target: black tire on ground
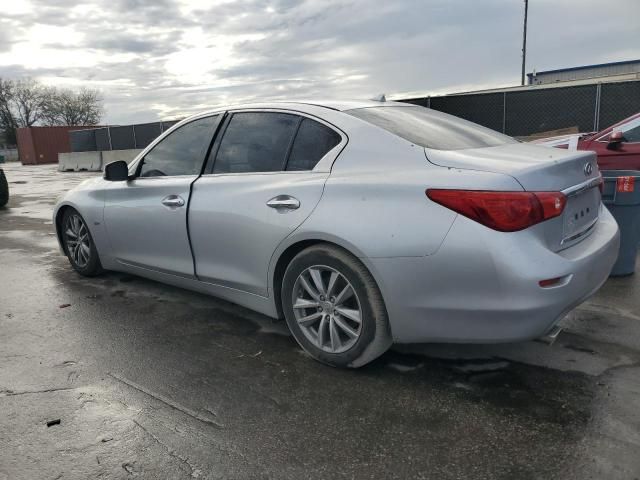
[375,336]
[4,189]
[92,267]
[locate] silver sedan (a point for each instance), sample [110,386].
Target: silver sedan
[360,223]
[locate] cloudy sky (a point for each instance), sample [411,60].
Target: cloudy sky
[164,58]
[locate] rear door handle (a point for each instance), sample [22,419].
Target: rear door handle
[173,201]
[285,202]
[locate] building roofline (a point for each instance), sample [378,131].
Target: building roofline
[624,77]
[595,65]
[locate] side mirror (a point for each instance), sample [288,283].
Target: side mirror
[615,139]
[116,171]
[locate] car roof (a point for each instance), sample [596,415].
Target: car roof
[343,105]
[338,105]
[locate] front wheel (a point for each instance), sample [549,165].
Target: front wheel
[78,244]
[334,308]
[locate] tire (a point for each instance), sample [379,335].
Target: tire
[83,262]
[4,189]
[324,319]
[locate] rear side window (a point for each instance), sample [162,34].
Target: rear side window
[182,152]
[255,142]
[312,142]
[430,128]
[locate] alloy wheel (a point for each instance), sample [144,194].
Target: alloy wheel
[327,309]
[78,242]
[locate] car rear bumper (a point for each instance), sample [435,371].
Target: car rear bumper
[482,286]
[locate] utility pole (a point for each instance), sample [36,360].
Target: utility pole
[524,40]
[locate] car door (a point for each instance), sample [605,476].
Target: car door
[146,217]
[263,180]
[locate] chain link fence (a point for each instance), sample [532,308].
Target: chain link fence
[519,113]
[124,137]
[523,113]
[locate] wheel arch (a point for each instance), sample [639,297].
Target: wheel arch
[58,216]
[290,249]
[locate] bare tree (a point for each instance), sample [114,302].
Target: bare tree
[66,107]
[29,98]
[8,122]
[24,103]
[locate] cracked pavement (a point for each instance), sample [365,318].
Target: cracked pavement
[151,381]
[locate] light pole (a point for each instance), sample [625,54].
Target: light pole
[524,40]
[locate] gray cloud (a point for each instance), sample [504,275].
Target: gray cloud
[123,41]
[148,12]
[125,45]
[306,48]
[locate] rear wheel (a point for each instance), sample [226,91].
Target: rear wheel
[78,244]
[334,308]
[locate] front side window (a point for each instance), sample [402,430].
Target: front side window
[256,142]
[430,128]
[312,142]
[182,152]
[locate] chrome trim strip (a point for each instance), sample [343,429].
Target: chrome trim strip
[581,187]
[582,232]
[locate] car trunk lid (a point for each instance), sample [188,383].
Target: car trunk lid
[540,169]
[536,168]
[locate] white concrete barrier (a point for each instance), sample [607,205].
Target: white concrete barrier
[93,161]
[78,161]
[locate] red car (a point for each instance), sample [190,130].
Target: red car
[617,147]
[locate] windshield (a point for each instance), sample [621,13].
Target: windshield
[430,128]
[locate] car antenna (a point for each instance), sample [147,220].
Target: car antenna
[380,98]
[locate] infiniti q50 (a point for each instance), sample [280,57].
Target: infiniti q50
[360,223]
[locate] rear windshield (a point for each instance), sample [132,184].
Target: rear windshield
[430,128]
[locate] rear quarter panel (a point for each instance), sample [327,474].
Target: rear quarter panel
[375,197]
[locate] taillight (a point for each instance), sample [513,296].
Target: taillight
[502,211]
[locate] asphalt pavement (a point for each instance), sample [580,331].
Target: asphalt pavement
[120,377]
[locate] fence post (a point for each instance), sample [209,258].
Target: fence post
[135,143]
[428,102]
[596,116]
[109,136]
[504,112]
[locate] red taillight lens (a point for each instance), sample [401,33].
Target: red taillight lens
[502,211]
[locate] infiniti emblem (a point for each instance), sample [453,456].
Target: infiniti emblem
[588,169]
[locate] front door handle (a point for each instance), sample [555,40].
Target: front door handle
[285,202]
[173,201]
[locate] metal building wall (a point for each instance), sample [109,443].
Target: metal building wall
[587,72]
